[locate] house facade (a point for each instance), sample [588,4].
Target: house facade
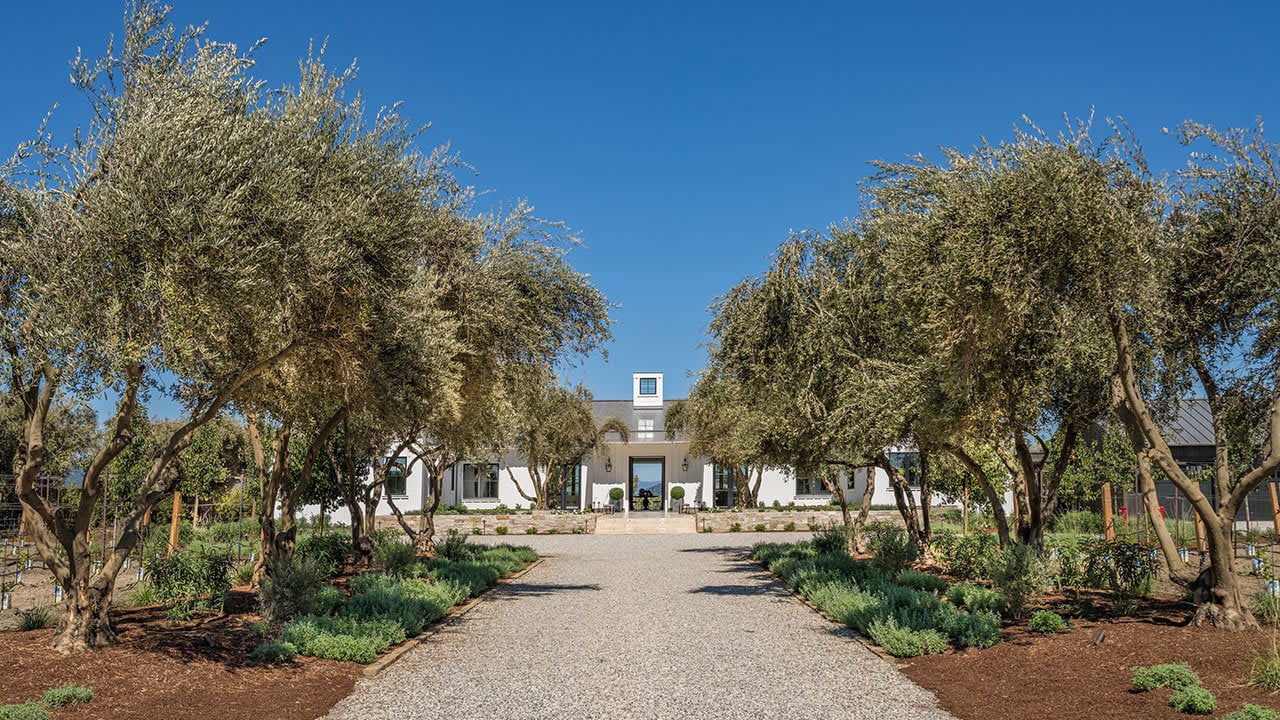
[646,468]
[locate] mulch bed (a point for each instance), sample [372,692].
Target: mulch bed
[1070,675]
[175,670]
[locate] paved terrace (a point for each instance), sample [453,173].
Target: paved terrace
[641,626]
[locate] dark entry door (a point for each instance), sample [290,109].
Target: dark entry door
[648,483]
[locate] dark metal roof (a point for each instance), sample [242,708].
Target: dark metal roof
[631,415]
[1192,423]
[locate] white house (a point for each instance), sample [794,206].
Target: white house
[649,465]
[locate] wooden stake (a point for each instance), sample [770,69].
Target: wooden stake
[1108,518]
[1275,507]
[174,521]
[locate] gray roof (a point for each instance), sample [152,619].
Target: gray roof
[629,414]
[1192,423]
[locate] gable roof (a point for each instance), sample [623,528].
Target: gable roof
[1192,423]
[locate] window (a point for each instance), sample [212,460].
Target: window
[645,426]
[397,482]
[907,463]
[480,482]
[810,486]
[648,386]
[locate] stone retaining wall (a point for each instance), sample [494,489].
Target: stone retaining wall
[775,520]
[515,523]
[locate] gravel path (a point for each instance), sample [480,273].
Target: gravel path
[641,626]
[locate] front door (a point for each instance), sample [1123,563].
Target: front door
[648,483]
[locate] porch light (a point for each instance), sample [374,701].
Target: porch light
[608,464]
[684,465]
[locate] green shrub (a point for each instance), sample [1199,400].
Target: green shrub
[295,585]
[1077,523]
[523,553]
[1047,621]
[967,557]
[502,559]
[1124,569]
[1021,574]
[342,638]
[65,695]
[616,494]
[789,527]
[262,628]
[36,618]
[396,558]
[677,492]
[191,580]
[229,532]
[890,547]
[332,550]
[735,527]
[1266,608]
[25,711]
[409,603]
[274,652]
[1253,712]
[473,577]
[904,642]
[1264,669]
[501,530]
[921,581]
[760,527]
[244,574]
[832,539]
[976,598]
[1193,700]
[980,629]
[455,546]
[1171,675]
[531,530]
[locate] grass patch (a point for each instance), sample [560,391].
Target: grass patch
[65,695]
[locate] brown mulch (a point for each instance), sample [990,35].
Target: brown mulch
[1069,675]
[161,669]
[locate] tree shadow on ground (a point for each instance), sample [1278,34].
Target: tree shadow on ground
[519,590]
[738,590]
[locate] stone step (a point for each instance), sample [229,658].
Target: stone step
[624,524]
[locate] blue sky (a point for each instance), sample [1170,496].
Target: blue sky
[684,141]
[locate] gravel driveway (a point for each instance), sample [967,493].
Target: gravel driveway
[641,626]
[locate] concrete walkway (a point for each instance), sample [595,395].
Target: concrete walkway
[641,626]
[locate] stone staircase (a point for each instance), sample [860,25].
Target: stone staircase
[645,524]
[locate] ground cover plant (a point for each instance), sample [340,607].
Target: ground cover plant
[906,621]
[384,607]
[1189,695]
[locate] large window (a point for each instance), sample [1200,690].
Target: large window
[907,463]
[480,482]
[722,486]
[810,486]
[397,480]
[648,386]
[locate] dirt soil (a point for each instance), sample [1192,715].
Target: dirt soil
[161,669]
[1071,675]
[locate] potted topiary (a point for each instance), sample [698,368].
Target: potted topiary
[616,495]
[677,498]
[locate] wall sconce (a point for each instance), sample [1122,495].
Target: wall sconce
[684,466]
[608,464]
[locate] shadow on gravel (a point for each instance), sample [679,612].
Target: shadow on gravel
[737,553]
[740,590]
[541,589]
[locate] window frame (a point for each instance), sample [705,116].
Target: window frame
[402,463]
[651,383]
[495,468]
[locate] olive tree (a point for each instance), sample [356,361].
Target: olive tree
[998,251]
[1206,316]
